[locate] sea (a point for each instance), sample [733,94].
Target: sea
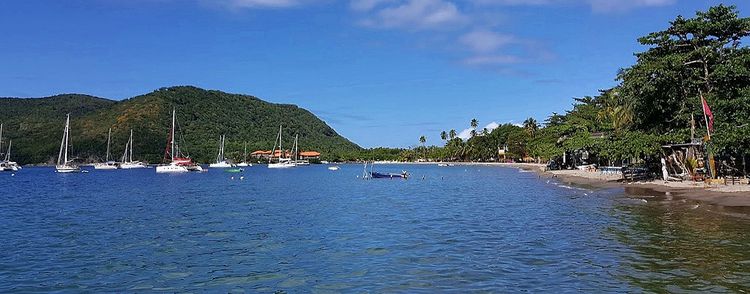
[457,229]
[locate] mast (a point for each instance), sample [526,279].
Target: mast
[109,136]
[296,147]
[1,139]
[7,152]
[172,133]
[67,138]
[244,158]
[131,146]
[62,157]
[125,154]
[281,150]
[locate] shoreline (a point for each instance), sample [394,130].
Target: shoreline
[721,195]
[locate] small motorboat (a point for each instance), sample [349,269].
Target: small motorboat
[377,175]
[233,170]
[333,168]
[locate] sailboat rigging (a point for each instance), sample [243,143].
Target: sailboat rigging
[107,164]
[63,164]
[282,161]
[176,163]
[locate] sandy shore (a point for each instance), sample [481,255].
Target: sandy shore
[723,195]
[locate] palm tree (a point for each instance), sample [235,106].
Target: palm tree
[443,135]
[531,126]
[422,140]
[474,124]
[452,134]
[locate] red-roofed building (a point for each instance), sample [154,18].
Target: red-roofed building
[309,155]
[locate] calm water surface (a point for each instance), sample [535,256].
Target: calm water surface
[460,229]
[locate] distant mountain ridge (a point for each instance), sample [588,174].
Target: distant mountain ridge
[35,125]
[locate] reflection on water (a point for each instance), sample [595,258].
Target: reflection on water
[465,229]
[682,245]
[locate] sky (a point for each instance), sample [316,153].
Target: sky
[380,72]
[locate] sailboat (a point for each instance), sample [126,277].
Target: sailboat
[244,162]
[127,157]
[63,164]
[298,161]
[107,164]
[221,162]
[6,164]
[282,162]
[176,164]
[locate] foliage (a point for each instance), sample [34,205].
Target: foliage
[35,125]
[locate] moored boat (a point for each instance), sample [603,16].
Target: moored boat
[282,161]
[221,162]
[107,164]
[177,164]
[377,175]
[63,164]
[127,161]
[6,164]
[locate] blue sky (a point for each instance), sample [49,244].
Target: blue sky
[381,72]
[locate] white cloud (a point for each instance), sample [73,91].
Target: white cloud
[489,60]
[614,6]
[415,15]
[600,6]
[367,5]
[466,133]
[486,41]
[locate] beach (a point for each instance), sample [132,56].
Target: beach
[716,194]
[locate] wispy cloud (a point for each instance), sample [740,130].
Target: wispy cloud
[486,41]
[410,14]
[620,5]
[599,6]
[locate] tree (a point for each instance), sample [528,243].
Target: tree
[443,135]
[474,124]
[692,57]
[452,134]
[422,140]
[531,126]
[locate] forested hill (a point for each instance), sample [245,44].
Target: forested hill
[35,125]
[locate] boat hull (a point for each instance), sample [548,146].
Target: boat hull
[127,165]
[222,164]
[67,169]
[376,175]
[281,165]
[105,166]
[171,169]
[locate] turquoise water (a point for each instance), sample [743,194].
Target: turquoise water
[460,229]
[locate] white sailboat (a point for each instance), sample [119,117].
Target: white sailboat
[6,164]
[127,157]
[107,164]
[63,164]
[298,161]
[244,162]
[221,162]
[282,162]
[176,164]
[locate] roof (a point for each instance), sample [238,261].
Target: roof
[260,152]
[309,153]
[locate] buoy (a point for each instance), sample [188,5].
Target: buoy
[232,178]
[242,178]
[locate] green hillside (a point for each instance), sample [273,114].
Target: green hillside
[35,125]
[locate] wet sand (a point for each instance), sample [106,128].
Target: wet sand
[723,195]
